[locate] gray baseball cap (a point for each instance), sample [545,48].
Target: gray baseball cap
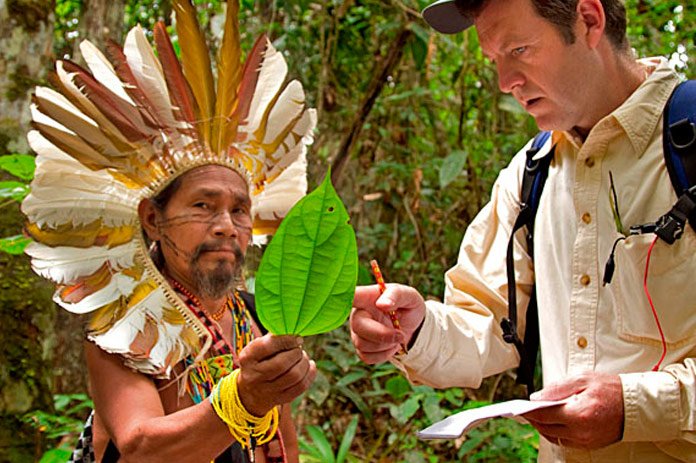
[445,17]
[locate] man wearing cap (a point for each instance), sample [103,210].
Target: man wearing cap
[569,64]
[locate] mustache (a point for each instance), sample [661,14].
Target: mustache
[219,246]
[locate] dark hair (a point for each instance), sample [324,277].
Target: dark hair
[160,202]
[562,14]
[163,197]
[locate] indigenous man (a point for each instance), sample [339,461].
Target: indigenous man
[150,185]
[569,65]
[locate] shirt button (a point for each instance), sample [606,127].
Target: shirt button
[589,162]
[582,342]
[586,217]
[585,280]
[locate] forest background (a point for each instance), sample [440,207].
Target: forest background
[415,130]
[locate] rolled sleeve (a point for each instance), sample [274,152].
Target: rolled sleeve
[651,406]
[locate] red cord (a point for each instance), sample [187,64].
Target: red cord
[652,306]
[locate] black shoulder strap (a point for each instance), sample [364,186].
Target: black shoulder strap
[679,149]
[533,181]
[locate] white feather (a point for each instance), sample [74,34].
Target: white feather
[120,286]
[65,264]
[67,80]
[147,71]
[271,77]
[281,194]
[289,105]
[120,337]
[71,193]
[102,70]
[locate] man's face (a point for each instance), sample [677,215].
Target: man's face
[204,230]
[547,76]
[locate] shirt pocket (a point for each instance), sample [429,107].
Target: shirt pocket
[671,285]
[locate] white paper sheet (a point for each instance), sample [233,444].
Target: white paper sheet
[454,426]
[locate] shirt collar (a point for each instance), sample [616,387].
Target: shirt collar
[639,115]
[642,111]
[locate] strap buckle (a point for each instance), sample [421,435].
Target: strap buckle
[682,134]
[670,226]
[510,332]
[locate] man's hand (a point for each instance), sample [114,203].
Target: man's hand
[375,338]
[274,370]
[592,419]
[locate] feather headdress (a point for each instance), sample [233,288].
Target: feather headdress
[121,131]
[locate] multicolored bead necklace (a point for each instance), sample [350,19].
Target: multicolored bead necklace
[206,373]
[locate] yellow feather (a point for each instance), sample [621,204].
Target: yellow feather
[229,76]
[195,62]
[83,236]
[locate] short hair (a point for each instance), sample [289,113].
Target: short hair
[562,14]
[163,197]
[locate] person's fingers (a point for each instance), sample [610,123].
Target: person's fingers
[562,389]
[398,296]
[375,341]
[365,296]
[369,329]
[268,346]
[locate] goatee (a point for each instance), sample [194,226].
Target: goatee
[221,280]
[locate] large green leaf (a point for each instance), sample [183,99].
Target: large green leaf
[306,279]
[13,190]
[14,244]
[19,165]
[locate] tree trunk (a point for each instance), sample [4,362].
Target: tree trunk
[26,38]
[26,310]
[101,20]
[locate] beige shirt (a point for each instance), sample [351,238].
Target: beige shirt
[584,326]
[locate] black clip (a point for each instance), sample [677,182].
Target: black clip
[509,332]
[670,226]
[643,229]
[682,134]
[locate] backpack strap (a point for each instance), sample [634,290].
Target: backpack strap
[533,181]
[679,148]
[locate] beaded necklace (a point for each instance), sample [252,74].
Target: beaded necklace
[206,373]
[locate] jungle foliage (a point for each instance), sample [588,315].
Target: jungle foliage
[415,131]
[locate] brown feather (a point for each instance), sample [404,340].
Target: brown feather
[229,76]
[89,132]
[125,117]
[145,340]
[195,60]
[119,62]
[247,88]
[75,147]
[179,89]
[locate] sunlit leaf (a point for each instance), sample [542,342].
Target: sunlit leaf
[306,279]
[13,190]
[452,166]
[56,456]
[19,165]
[14,244]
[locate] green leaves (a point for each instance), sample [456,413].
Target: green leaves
[19,165]
[452,166]
[14,244]
[306,279]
